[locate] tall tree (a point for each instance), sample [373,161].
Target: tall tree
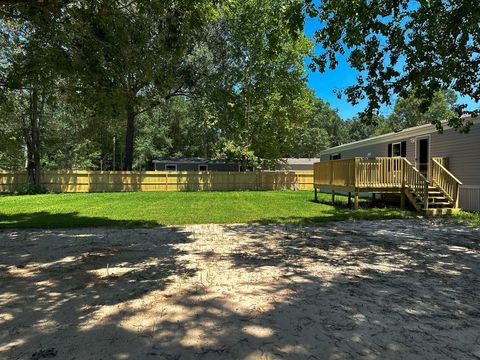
[257,84]
[132,56]
[402,47]
[29,63]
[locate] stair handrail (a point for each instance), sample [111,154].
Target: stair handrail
[412,175]
[447,171]
[446,181]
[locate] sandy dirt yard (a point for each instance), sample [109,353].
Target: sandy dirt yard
[397,289]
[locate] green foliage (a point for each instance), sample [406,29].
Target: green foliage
[257,89]
[408,112]
[467,218]
[131,57]
[178,128]
[233,152]
[358,129]
[324,128]
[12,148]
[181,78]
[104,85]
[311,142]
[402,47]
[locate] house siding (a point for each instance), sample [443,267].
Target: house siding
[195,166]
[463,152]
[299,167]
[372,150]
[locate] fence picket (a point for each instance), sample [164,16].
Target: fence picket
[115,181]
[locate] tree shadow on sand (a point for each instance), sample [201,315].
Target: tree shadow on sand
[392,289]
[54,282]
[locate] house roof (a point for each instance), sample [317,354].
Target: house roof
[392,136]
[189,160]
[296,161]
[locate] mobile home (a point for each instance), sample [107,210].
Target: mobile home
[195,164]
[424,149]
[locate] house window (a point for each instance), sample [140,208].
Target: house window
[171,167]
[397,149]
[335,156]
[202,167]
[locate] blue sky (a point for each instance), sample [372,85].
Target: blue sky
[343,76]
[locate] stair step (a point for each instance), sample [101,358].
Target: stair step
[441,211]
[439,205]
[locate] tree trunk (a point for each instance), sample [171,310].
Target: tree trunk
[243,163]
[129,139]
[33,141]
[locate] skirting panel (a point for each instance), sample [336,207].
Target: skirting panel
[469,197]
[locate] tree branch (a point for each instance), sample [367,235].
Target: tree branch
[157,102]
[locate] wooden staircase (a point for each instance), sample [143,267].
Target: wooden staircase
[439,196]
[438,202]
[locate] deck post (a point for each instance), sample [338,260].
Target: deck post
[349,199]
[402,199]
[355,171]
[356,200]
[333,197]
[457,193]
[316,194]
[425,196]
[402,190]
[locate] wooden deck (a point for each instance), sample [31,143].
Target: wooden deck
[391,175]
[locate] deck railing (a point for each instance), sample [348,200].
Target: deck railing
[418,183]
[385,174]
[445,180]
[335,172]
[380,172]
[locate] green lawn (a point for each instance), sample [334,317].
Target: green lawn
[467,218]
[175,208]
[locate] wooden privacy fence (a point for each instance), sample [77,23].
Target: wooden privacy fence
[113,181]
